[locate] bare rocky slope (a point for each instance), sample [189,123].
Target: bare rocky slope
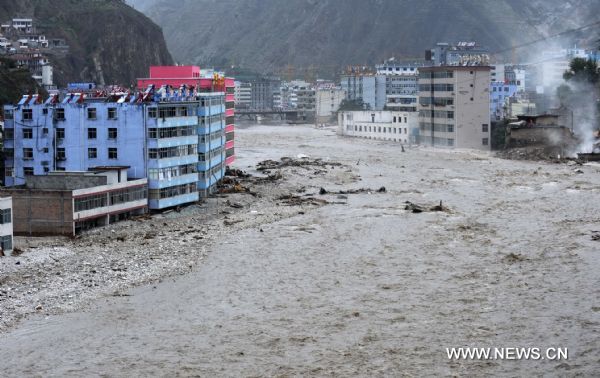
[267,35]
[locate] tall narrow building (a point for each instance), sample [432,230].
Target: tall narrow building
[454,106]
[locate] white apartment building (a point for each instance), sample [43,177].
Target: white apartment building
[6,225]
[328,102]
[242,94]
[379,124]
[454,106]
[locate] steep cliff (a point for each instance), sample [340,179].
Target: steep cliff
[108,41]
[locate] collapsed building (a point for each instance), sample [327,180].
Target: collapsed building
[541,130]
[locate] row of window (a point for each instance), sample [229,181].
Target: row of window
[210,155]
[437,127]
[436,101]
[59,113]
[172,191]
[436,74]
[436,114]
[436,87]
[212,136]
[169,152]
[171,132]
[378,129]
[171,172]
[128,195]
[213,171]
[92,133]
[116,197]
[113,153]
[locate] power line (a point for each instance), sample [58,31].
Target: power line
[548,37]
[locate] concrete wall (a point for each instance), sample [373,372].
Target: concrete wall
[64,182]
[42,212]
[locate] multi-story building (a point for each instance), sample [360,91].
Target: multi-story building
[6,225]
[175,138]
[306,102]
[263,90]
[460,54]
[68,202]
[388,125]
[327,102]
[204,83]
[243,95]
[454,106]
[500,93]
[362,86]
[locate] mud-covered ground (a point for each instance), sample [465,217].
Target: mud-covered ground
[359,286]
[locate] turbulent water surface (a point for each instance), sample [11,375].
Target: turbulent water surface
[363,287]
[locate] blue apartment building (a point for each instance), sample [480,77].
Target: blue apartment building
[173,137]
[499,92]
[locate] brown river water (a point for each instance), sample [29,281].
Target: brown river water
[364,288]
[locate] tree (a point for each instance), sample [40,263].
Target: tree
[583,71]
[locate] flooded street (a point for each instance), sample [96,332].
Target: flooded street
[360,286]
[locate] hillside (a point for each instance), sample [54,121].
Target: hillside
[109,41]
[269,34]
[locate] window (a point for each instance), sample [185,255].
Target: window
[45,131]
[394,119]
[112,153]
[28,171]
[9,134]
[152,133]
[92,153]
[61,154]
[9,172]
[112,113]
[450,128]
[27,133]
[60,133]
[485,141]
[59,114]
[5,216]
[151,112]
[112,133]
[6,242]
[92,133]
[153,153]
[91,113]
[405,121]
[46,150]
[27,114]
[27,153]
[45,111]
[450,142]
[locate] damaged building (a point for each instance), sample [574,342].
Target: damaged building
[64,203]
[542,130]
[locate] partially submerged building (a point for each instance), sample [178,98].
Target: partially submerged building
[179,138]
[541,130]
[64,203]
[454,106]
[388,125]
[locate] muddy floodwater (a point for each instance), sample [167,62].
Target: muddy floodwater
[360,286]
